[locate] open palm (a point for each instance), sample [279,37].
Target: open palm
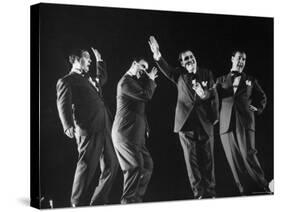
[153,45]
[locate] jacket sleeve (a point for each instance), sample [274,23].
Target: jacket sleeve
[259,97]
[135,91]
[210,90]
[170,72]
[101,72]
[64,104]
[212,95]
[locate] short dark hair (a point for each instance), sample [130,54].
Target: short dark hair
[187,50]
[75,55]
[237,50]
[138,59]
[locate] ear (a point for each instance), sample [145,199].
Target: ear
[134,63]
[182,64]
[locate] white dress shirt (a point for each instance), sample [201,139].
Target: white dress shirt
[236,82]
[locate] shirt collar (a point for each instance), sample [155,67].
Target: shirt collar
[194,71]
[76,70]
[231,70]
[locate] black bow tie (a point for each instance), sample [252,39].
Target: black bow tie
[86,75]
[192,75]
[235,73]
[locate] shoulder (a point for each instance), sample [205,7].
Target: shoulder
[124,79]
[180,70]
[250,78]
[67,79]
[221,78]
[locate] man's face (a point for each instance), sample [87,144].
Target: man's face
[140,68]
[238,61]
[85,61]
[188,61]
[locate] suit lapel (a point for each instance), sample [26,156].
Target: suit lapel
[241,83]
[228,80]
[96,85]
[92,86]
[188,86]
[85,80]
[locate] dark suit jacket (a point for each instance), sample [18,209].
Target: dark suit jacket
[130,121]
[248,93]
[79,103]
[206,109]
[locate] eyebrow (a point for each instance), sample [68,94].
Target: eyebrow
[189,56]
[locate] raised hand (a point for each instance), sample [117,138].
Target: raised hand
[97,54]
[154,46]
[153,73]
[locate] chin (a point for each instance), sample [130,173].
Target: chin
[240,69]
[189,69]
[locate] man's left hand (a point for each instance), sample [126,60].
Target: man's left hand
[153,73]
[199,90]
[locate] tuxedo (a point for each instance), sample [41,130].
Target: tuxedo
[194,118]
[128,134]
[80,105]
[237,127]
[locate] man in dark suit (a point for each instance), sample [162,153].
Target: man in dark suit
[85,116]
[241,97]
[196,112]
[130,126]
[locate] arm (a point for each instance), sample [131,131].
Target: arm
[64,104]
[207,92]
[171,73]
[210,91]
[259,97]
[213,95]
[206,89]
[134,90]
[101,73]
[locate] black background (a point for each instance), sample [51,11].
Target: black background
[122,34]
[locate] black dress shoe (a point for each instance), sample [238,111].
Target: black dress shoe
[198,197]
[267,190]
[209,196]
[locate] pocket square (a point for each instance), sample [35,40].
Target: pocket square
[204,83]
[248,82]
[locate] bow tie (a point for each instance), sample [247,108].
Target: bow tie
[235,73]
[86,75]
[192,75]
